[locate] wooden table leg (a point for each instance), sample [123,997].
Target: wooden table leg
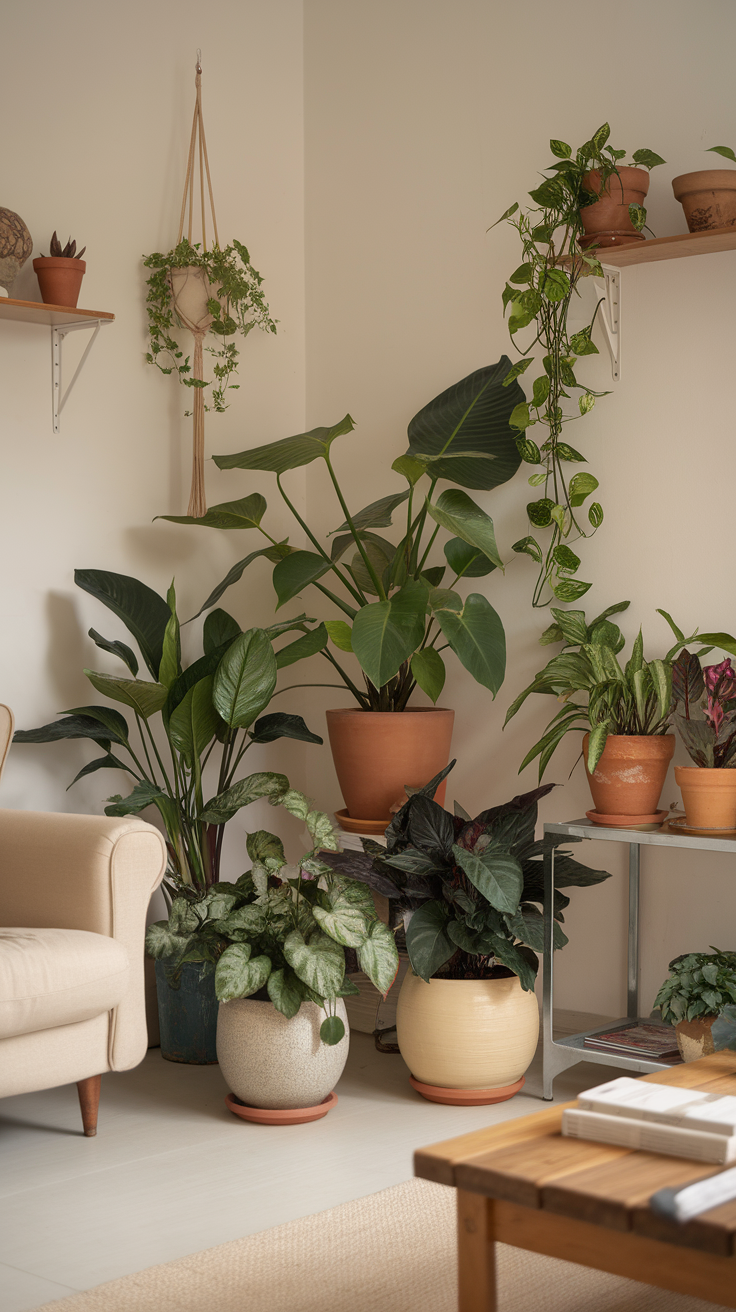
[89,1102]
[476,1253]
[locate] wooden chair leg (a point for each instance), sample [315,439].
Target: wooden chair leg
[89,1102]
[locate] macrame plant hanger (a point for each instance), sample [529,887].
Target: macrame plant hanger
[191,289]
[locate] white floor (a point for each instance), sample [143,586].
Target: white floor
[172,1171]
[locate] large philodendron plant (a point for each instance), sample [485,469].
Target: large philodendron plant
[397,610]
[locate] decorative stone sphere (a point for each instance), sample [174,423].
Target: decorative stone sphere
[16,244]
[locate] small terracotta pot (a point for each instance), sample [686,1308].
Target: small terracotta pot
[630,775]
[608,222]
[694,1038]
[708,198]
[709,796]
[60,280]
[377,753]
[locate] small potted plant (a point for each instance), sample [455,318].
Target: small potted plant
[699,988]
[708,196]
[60,273]
[705,717]
[471,895]
[612,193]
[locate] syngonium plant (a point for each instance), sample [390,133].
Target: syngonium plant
[280,932]
[398,611]
[471,890]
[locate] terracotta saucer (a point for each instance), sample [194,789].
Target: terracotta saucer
[465,1097]
[286,1116]
[680,825]
[626,821]
[354,826]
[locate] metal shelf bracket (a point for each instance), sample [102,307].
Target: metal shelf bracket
[58,333]
[609,291]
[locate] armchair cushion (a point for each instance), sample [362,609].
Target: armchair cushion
[52,977]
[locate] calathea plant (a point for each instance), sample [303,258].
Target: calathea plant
[471,891]
[279,934]
[705,710]
[210,711]
[397,610]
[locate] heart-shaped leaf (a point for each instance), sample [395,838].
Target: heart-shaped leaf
[290,452]
[295,572]
[238,975]
[472,415]
[378,956]
[387,633]
[495,873]
[477,637]
[458,513]
[427,940]
[246,513]
[320,963]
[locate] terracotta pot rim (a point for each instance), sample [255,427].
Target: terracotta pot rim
[700,771]
[58,262]
[624,170]
[408,710]
[704,180]
[655,745]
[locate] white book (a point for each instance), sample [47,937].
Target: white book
[683,1204]
[648,1101]
[650,1136]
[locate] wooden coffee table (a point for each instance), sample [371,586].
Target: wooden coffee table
[522,1183]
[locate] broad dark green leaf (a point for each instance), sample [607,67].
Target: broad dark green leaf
[428,668]
[458,513]
[246,513]
[281,725]
[290,452]
[245,679]
[145,698]
[427,941]
[495,873]
[314,641]
[106,762]
[142,611]
[295,572]
[273,554]
[376,515]
[286,991]
[194,722]
[144,794]
[472,415]
[112,720]
[119,649]
[387,633]
[73,726]
[477,637]
[219,628]
[262,784]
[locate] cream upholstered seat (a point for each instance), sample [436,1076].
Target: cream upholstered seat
[74,891]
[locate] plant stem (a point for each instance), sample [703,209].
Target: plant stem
[356,536]
[361,600]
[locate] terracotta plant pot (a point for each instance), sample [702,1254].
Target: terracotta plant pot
[630,775]
[269,1061]
[709,796]
[694,1038]
[60,280]
[466,1033]
[708,198]
[608,222]
[376,753]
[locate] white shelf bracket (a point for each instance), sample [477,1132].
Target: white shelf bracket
[58,333]
[609,314]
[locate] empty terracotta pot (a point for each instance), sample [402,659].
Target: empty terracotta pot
[630,775]
[59,279]
[708,198]
[709,796]
[377,753]
[608,222]
[694,1038]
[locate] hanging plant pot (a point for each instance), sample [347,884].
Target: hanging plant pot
[271,1062]
[694,1038]
[709,796]
[187,1013]
[607,222]
[708,198]
[629,778]
[60,280]
[377,753]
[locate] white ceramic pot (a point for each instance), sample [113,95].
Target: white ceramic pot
[466,1033]
[269,1061]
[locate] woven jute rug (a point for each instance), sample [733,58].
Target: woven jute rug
[391,1252]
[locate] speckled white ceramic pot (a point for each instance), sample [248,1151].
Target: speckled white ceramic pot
[269,1061]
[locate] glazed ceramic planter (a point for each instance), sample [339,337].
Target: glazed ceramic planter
[59,279]
[607,222]
[376,753]
[187,1015]
[465,1033]
[708,198]
[709,796]
[694,1038]
[629,778]
[269,1061]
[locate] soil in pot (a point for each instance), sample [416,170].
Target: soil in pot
[187,1012]
[271,1062]
[708,198]
[377,753]
[630,775]
[709,796]
[694,1038]
[59,279]
[607,222]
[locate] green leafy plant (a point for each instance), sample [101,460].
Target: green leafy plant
[471,890]
[280,933]
[699,984]
[726,151]
[540,293]
[237,305]
[397,614]
[210,711]
[68,252]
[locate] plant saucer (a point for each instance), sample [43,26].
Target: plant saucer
[282,1116]
[680,825]
[353,825]
[627,821]
[465,1097]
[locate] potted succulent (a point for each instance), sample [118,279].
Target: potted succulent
[704,701]
[471,895]
[60,273]
[700,988]
[278,937]
[708,196]
[209,712]
[397,609]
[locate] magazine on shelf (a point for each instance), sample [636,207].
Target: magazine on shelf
[657,1042]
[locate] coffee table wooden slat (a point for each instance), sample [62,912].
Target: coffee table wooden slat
[609,1194]
[519,1174]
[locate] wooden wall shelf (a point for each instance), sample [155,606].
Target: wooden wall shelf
[51,315]
[668,248]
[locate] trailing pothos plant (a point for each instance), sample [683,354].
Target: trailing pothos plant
[209,711]
[237,305]
[280,932]
[540,293]
[398,612]
[471,891]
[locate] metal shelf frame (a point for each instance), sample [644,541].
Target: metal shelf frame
[61,319]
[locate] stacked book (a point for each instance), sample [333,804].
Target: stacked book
[656,1042]
[657,1118]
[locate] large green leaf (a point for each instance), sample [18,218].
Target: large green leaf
[320,963]
[387,633]
[428,668]
[246,513]
[472,415]
[344,921]
[237,974]
[378,956]
[263,784]
[290,452]
[142,611]
[161,942]
[477,637]
[376,515]
[286,991]
[219,628]
[119,649]
[193,724]
[312,642]
[106,762]
[245,679]
[458,513]
[469,562]
[274,553]
[73,726]
[427,941]
[145,698]
[144,794]
[279,724]
[495,873]
[296,572]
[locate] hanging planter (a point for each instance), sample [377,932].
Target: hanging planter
[206,290]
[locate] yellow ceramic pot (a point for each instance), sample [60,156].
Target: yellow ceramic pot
[466,1033]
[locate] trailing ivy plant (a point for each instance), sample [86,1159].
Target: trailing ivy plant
[540,293]
[238,306]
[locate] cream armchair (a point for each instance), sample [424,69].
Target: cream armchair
[74,891]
